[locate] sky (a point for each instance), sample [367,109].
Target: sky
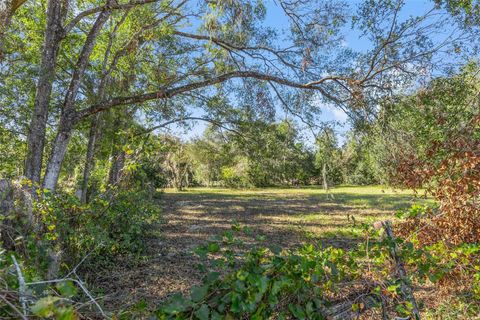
[276,18]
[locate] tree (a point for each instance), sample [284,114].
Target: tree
[327,157]
[436,133]
[176,161]
[360,165]
[171,63]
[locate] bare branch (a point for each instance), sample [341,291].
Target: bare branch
[23,317]
[213,121]
[21,286]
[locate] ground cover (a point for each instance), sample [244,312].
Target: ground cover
[285,217]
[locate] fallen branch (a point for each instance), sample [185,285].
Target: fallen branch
[22,288]
[344,310]
[79,282]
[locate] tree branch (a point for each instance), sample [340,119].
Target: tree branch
[95,10]
[169,93]
[213,121]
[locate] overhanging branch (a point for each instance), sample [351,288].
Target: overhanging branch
[166,93]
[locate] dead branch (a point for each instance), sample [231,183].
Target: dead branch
[21,286]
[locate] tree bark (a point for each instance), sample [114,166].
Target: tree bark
[115,173]
[118,154]
[324,176]
[89,159]
[67,118]
[95,122]
[36,133]
[56,158]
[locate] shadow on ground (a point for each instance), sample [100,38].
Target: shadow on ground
[282,219]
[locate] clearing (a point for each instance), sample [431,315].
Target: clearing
[285,217]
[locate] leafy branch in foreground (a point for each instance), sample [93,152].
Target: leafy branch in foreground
[313,282]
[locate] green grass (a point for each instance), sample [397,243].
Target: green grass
[310,210]
[377,197]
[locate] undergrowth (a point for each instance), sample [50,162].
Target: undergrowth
[65,234]
[312,281]
[241,282]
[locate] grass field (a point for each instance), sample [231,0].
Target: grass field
[279,216]
[337,213]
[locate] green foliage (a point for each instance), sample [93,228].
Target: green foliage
[55,307]
[114,224]
[111,225]
[235,176]
[265,283]
[360,163]
[13,148]
[46,300]
[259,153]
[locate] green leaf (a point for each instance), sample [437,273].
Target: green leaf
[393,288]
[177,304]
[309,308]
[297,311]
[211,277]
[199,293]
[45,306]
[216,316]
[213,247]
[65,314]
[203,312]
[67,289]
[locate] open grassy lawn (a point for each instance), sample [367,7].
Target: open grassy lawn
[336,214]
[282,217]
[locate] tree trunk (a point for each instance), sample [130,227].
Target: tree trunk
[68,119]
[38,124]
[115,173]
[56,158]
[324,176]
[89,160]
[118,153]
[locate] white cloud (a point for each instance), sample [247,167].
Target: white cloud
[337,113]
[329,111]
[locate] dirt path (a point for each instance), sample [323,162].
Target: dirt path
[284,217]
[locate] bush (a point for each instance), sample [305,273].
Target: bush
[63,234]
[58,224]
[442,155]
[109,225]
[235,177]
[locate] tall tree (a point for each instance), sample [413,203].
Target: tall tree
[327,155]
[179,64]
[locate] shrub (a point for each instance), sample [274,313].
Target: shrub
[64,234]
[109,225]
[307,283]
[57,226]
[436,145]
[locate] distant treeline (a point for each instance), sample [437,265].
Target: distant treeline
[261,154]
